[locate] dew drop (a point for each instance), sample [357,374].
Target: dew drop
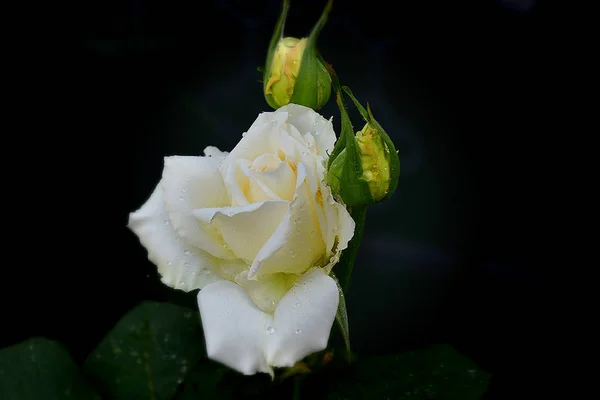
[166,222]
[180,198]
[272,302]
[184,190]
[181,283]
[270,330]
[205,271]
[186,252]
[169,263]
[298,331]
[297,304]
[186,264]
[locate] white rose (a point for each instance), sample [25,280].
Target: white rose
[258,231]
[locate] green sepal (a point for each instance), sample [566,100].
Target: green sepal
[348,170]
[367,115]
[277,36]
[313,84]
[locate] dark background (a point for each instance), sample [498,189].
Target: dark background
[456,84]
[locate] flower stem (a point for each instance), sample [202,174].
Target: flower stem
[346,263]
[297,381]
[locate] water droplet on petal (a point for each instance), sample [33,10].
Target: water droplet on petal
[180,198]
[297,304]
[184,189]
[181,283]
[169,263]
[186,264]
[298,331]
[270,330]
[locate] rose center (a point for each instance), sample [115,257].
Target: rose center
[265,163]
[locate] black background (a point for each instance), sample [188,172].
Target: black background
[456,84]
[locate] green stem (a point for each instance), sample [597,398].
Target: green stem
[346,263]
[297,382]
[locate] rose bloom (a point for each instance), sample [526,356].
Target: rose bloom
[258,231]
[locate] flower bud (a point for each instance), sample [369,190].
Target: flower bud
[375,161]
[294,71]
[284,71]
[364,168]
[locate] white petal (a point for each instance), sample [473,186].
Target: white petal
[306,120]
[245,229]
[297,244]
[234,180]
[235,330]
[267,292]
[338,228]
[212,151]
[277,175]
[262,137]
[303,319]
[253,188]
[189,183]
[181,265]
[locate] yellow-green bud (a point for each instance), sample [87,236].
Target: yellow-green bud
[283,74]
[375,161]
[294,72]
[284,70]
[364,167]
[374,157]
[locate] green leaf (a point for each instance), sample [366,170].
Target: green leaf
[436,373]
[40,369]
[341,318]
[346,264]
[211,380]
[204,381]
[148,353]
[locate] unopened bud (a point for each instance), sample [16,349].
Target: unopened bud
[294,71]
[375,161]
[284,71]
